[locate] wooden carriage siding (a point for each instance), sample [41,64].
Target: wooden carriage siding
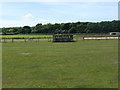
[63,38]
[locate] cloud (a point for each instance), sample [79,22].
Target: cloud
[43,21]
[59,0]
[84,11]
[25,21]
[28,16]
[15,23]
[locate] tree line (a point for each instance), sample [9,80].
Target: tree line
[66,28]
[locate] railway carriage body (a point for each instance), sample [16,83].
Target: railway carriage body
[63,38]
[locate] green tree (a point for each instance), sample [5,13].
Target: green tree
[4,30]
[26,29]
[72,30]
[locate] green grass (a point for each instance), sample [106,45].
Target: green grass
[81,64]
[26,35]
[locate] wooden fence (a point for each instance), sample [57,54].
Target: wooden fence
[23,39]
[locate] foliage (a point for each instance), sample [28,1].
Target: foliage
[58,28]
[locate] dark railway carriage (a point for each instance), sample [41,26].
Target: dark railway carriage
[63,38]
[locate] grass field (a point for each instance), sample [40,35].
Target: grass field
[49,35]
[81,64]
[26,35]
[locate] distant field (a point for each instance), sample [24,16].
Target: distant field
[25,35]
[81,64]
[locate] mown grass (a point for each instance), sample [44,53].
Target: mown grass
[81,64]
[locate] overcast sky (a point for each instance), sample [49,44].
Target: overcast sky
[30,12]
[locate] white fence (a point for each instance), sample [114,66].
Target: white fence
[99,38]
